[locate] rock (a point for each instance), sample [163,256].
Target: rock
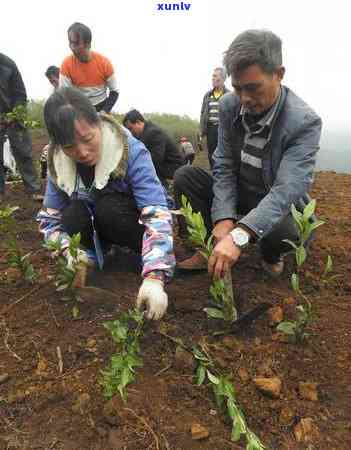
[111,411]
[268,386]
[184,360]
[308,391]
[306,430]
[4,377]
[243,374]
[275,315]
[115,440]
[199,432]
[286,416]
[81,405]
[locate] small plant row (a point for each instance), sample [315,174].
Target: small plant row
[220,290]
[305,311]
[224,393]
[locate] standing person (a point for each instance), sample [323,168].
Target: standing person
[188,150]
[89,71]
[102,184]
[165,154]
[53,75]
[210,111]
[13,94]
[267,143]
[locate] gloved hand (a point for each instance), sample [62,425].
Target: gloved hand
[82,263]
[152,295]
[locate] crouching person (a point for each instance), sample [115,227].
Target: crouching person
[264,161]
[102,184]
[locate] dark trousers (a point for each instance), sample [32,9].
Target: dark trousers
[196,185]
[212,138]
[21,147]
[116,221]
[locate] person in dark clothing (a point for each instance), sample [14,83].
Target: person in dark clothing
[53,75]
[12,95]
[209,118]
[165,154]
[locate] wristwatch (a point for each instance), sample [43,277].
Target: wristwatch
[240,237]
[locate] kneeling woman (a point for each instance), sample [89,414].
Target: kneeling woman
[103,185]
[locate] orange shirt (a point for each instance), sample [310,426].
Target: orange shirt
[92,77]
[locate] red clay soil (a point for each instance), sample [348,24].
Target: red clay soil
[42,407]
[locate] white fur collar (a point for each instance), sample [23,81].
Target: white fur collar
[111,156]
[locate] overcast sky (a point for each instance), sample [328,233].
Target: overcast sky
[164,59]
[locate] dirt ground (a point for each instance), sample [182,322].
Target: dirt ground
[42,407]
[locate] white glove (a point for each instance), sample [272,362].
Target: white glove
[82,263]
[152,294]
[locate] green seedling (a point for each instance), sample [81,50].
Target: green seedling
[21,262]
[224,393]
[221,290]
[65,274]
[126,333]
[19,115]
[15,256]
[305,313]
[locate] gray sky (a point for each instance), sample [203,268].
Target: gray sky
[164,59]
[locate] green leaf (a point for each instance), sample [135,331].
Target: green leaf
[295,282]
[329,265]
[309,210]
[236,432]
[288,241]
[298,218]
[287,327]
[200,374]
[300,255]
[212,378]
[75,312]
[214,313]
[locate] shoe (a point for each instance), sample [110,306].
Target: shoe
[195,262]
[273,269]
[37,197]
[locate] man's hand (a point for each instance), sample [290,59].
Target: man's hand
[222,228]
[224,255]
[152,295]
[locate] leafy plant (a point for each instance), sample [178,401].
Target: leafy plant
[221,289]
[15,257]
[225,397]
[125,332]
[21,262]
[305,313]
[65,273]
[19,115]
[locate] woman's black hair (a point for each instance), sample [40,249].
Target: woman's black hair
[61,110]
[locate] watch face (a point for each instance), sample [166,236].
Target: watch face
[240,237]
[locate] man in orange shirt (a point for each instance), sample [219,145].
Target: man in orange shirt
[89,71]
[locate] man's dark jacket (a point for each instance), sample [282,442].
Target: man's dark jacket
[164,152]
[12,89]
